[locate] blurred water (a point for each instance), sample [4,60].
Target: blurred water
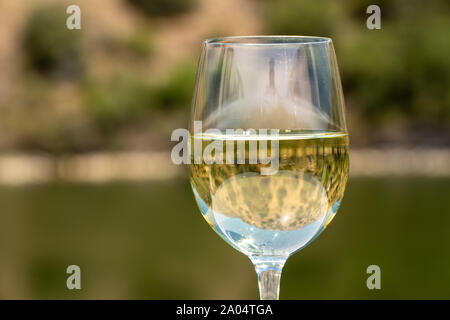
[148,240]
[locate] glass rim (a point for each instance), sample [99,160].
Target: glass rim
[267,40]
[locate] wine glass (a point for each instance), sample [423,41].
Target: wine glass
[268,145]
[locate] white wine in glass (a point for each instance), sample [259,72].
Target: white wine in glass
[268,195]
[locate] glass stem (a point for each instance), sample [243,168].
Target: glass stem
[268,270]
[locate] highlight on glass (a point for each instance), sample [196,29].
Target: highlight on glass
[269,145]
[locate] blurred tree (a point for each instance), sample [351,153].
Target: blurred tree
[140,43]
[49,47]
[402,69]
[117,102]
[176,91]
[155,8]
[301,17]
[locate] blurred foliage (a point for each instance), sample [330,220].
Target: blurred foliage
[401,69]
[118,101]
[397,77]
[141,44]
[157,8]
[125,99]
[301,17]
[49,47]
[177,90]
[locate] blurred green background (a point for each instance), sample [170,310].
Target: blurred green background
[138,241]
[124,81]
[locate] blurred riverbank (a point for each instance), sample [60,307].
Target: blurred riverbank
[147,166]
